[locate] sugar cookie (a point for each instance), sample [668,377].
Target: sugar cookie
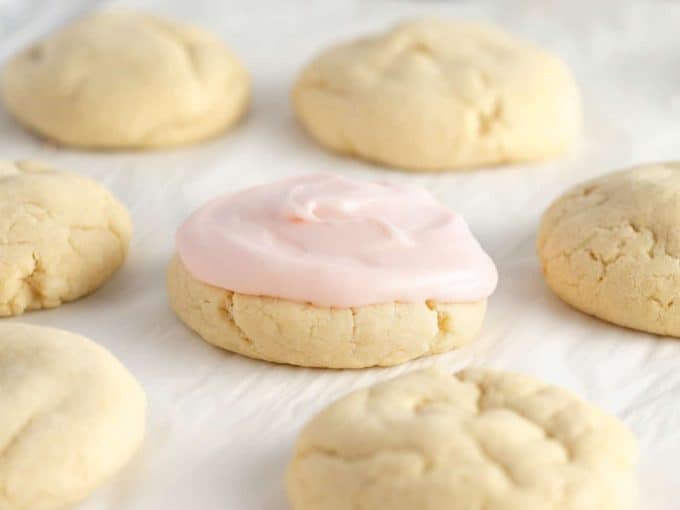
[71,416]
[610,247]
[61,236]
[122,80]
[435,95]
[324,271]
[478,439]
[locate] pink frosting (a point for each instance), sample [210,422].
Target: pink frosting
[331,241]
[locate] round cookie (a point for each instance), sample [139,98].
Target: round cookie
[61,236]
[435,95]
[302,334]
[610,247]
[121,80]
[71,416]
[477,439]
[324,271]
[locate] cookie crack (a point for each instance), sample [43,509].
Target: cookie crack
[30,421]
[169,34]
[568,211]
[190,56]
[17,434]
[512,406]
[228,313]
[486,454]
[487,122]
[16,437]
[332,453]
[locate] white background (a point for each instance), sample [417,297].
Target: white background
[221,427]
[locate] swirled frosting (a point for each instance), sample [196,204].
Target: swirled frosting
[331,241]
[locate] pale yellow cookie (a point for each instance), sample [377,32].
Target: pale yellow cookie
[611,247]
[61,236]
[479,439]
[435,95]
[126,80]
[71,416]
[283,331]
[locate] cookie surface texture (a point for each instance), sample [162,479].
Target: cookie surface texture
[477,439]
[126,80]
[302,334]
[610,247]
[61,236]
[437,95]
[71,416]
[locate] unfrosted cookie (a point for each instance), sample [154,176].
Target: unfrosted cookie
[480,439]
[71,416]
[126,80]
[434,95]
[302,334]
[324,271]
[611,247]
[61,236]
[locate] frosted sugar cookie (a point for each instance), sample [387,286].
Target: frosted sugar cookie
[120,80]
[61,236]
[71,416]
[325,271]
[435,95]
[481,439]
[610,247]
